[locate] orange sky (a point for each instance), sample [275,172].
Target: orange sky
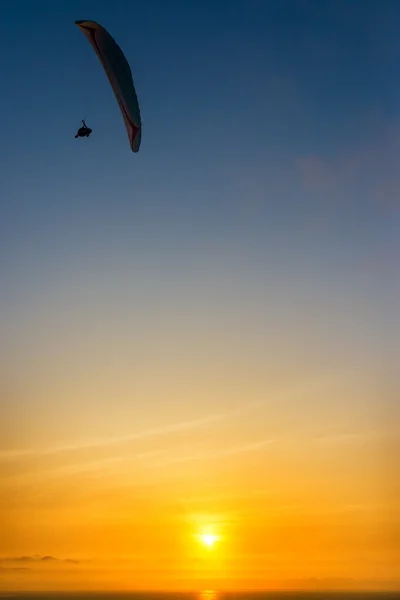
[289,480]
[202,339]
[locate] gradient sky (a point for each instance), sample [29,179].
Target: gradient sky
[202,337]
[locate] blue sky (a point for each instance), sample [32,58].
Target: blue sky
[268,170]
[233,95]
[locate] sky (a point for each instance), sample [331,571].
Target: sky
[199,342]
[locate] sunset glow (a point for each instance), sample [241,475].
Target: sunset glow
[208,539]
[200,341]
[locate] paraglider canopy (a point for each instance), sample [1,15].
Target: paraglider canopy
[119,75]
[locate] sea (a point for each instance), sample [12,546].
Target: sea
[205,595]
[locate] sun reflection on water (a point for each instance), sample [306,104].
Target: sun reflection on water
[208,595]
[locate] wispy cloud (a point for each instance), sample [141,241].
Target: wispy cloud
[355,436]
[375,165]
[7,560]
[140,435]
[317,173]
[81,467]
[252,447]
[248,407]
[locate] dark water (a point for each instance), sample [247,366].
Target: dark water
[204,595]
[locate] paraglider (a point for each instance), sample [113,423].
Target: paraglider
[83,131]
[119,75]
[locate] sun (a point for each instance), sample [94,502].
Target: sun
[208,539]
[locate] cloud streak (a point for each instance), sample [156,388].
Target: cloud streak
[141,435]
[9,560]
[253,447]
[12,455]
[376,163]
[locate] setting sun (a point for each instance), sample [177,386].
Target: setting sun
[208,539]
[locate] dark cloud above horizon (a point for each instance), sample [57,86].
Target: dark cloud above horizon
[36,559]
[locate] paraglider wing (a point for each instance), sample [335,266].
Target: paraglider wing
[120,77]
